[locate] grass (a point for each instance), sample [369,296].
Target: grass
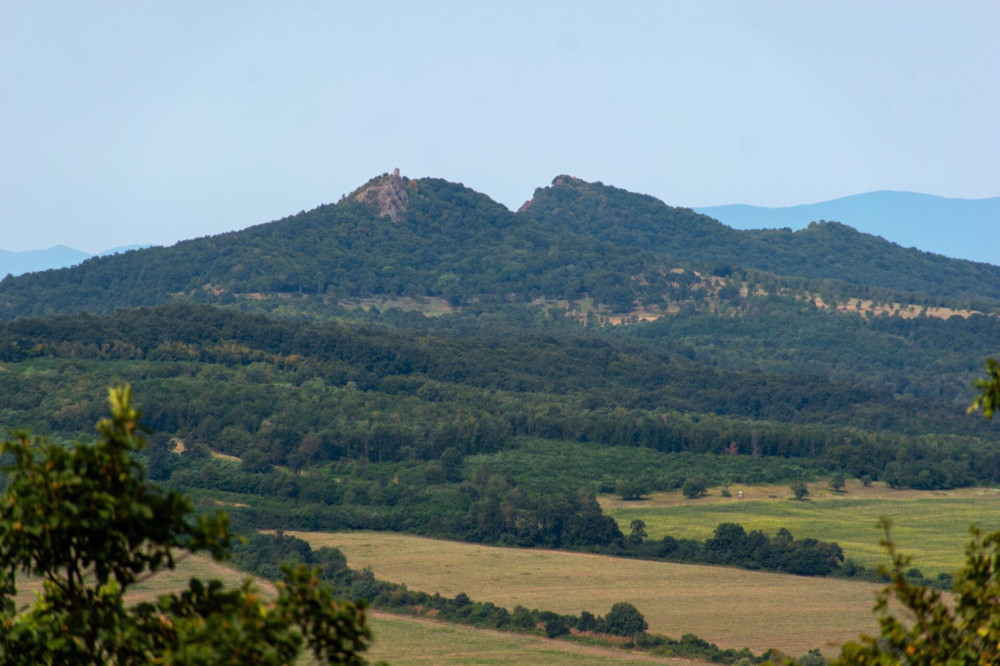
[397,639]
[163,582]
[730,607]
[407,640]
[932,526]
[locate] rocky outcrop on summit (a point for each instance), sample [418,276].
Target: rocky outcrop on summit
[386,193]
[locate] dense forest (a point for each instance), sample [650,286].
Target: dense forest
[572,240]
[416,357]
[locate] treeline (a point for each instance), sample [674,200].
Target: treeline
[731,545]
[595,368]
[925,358]
[304,394]
[447,500]
[428,499]
[264,554]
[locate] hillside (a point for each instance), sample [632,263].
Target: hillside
[424,238]
[418,358]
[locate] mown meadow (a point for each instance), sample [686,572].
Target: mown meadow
[932,526]
[733,608]
[402,640]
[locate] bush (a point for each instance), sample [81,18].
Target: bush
[556,626]
[624,619]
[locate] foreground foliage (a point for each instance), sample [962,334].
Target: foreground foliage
[85,521]
[938,631]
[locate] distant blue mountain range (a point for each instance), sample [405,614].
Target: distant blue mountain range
[60,256]
[957,228]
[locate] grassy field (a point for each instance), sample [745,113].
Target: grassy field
[933,526]
[406,640]
[164,582]
[730,607]
[403,640]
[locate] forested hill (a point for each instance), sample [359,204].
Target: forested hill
[416,238]
[822,250]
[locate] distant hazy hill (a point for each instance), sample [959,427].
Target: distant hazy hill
[397,237]
[961,228]
[60,256]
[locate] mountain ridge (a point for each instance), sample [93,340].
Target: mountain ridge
[951,227]
[429,237]
[58,256]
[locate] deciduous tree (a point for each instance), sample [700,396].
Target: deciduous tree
[87,523]
[624,619]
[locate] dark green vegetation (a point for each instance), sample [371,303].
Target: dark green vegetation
[85,521]
[437,238]
[500,420]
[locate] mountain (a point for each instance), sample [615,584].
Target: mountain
[399,237]
[952,227]
[60,256]
[377,341]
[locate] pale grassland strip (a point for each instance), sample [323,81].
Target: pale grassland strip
[730,607]
[401,640]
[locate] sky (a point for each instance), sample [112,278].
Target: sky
[151,122]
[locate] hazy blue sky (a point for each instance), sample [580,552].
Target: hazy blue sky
[151,122]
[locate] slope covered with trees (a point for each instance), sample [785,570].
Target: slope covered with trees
[572,240]
[596,341]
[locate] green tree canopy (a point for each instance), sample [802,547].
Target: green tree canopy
[624,619]
[86,522]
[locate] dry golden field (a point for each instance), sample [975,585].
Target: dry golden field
[730,607]
[165,581]
[403,641]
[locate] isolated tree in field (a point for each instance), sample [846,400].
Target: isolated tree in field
[694,487]
[85,521]
[838,481]
[637,531]
[624,619]
[800,490]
